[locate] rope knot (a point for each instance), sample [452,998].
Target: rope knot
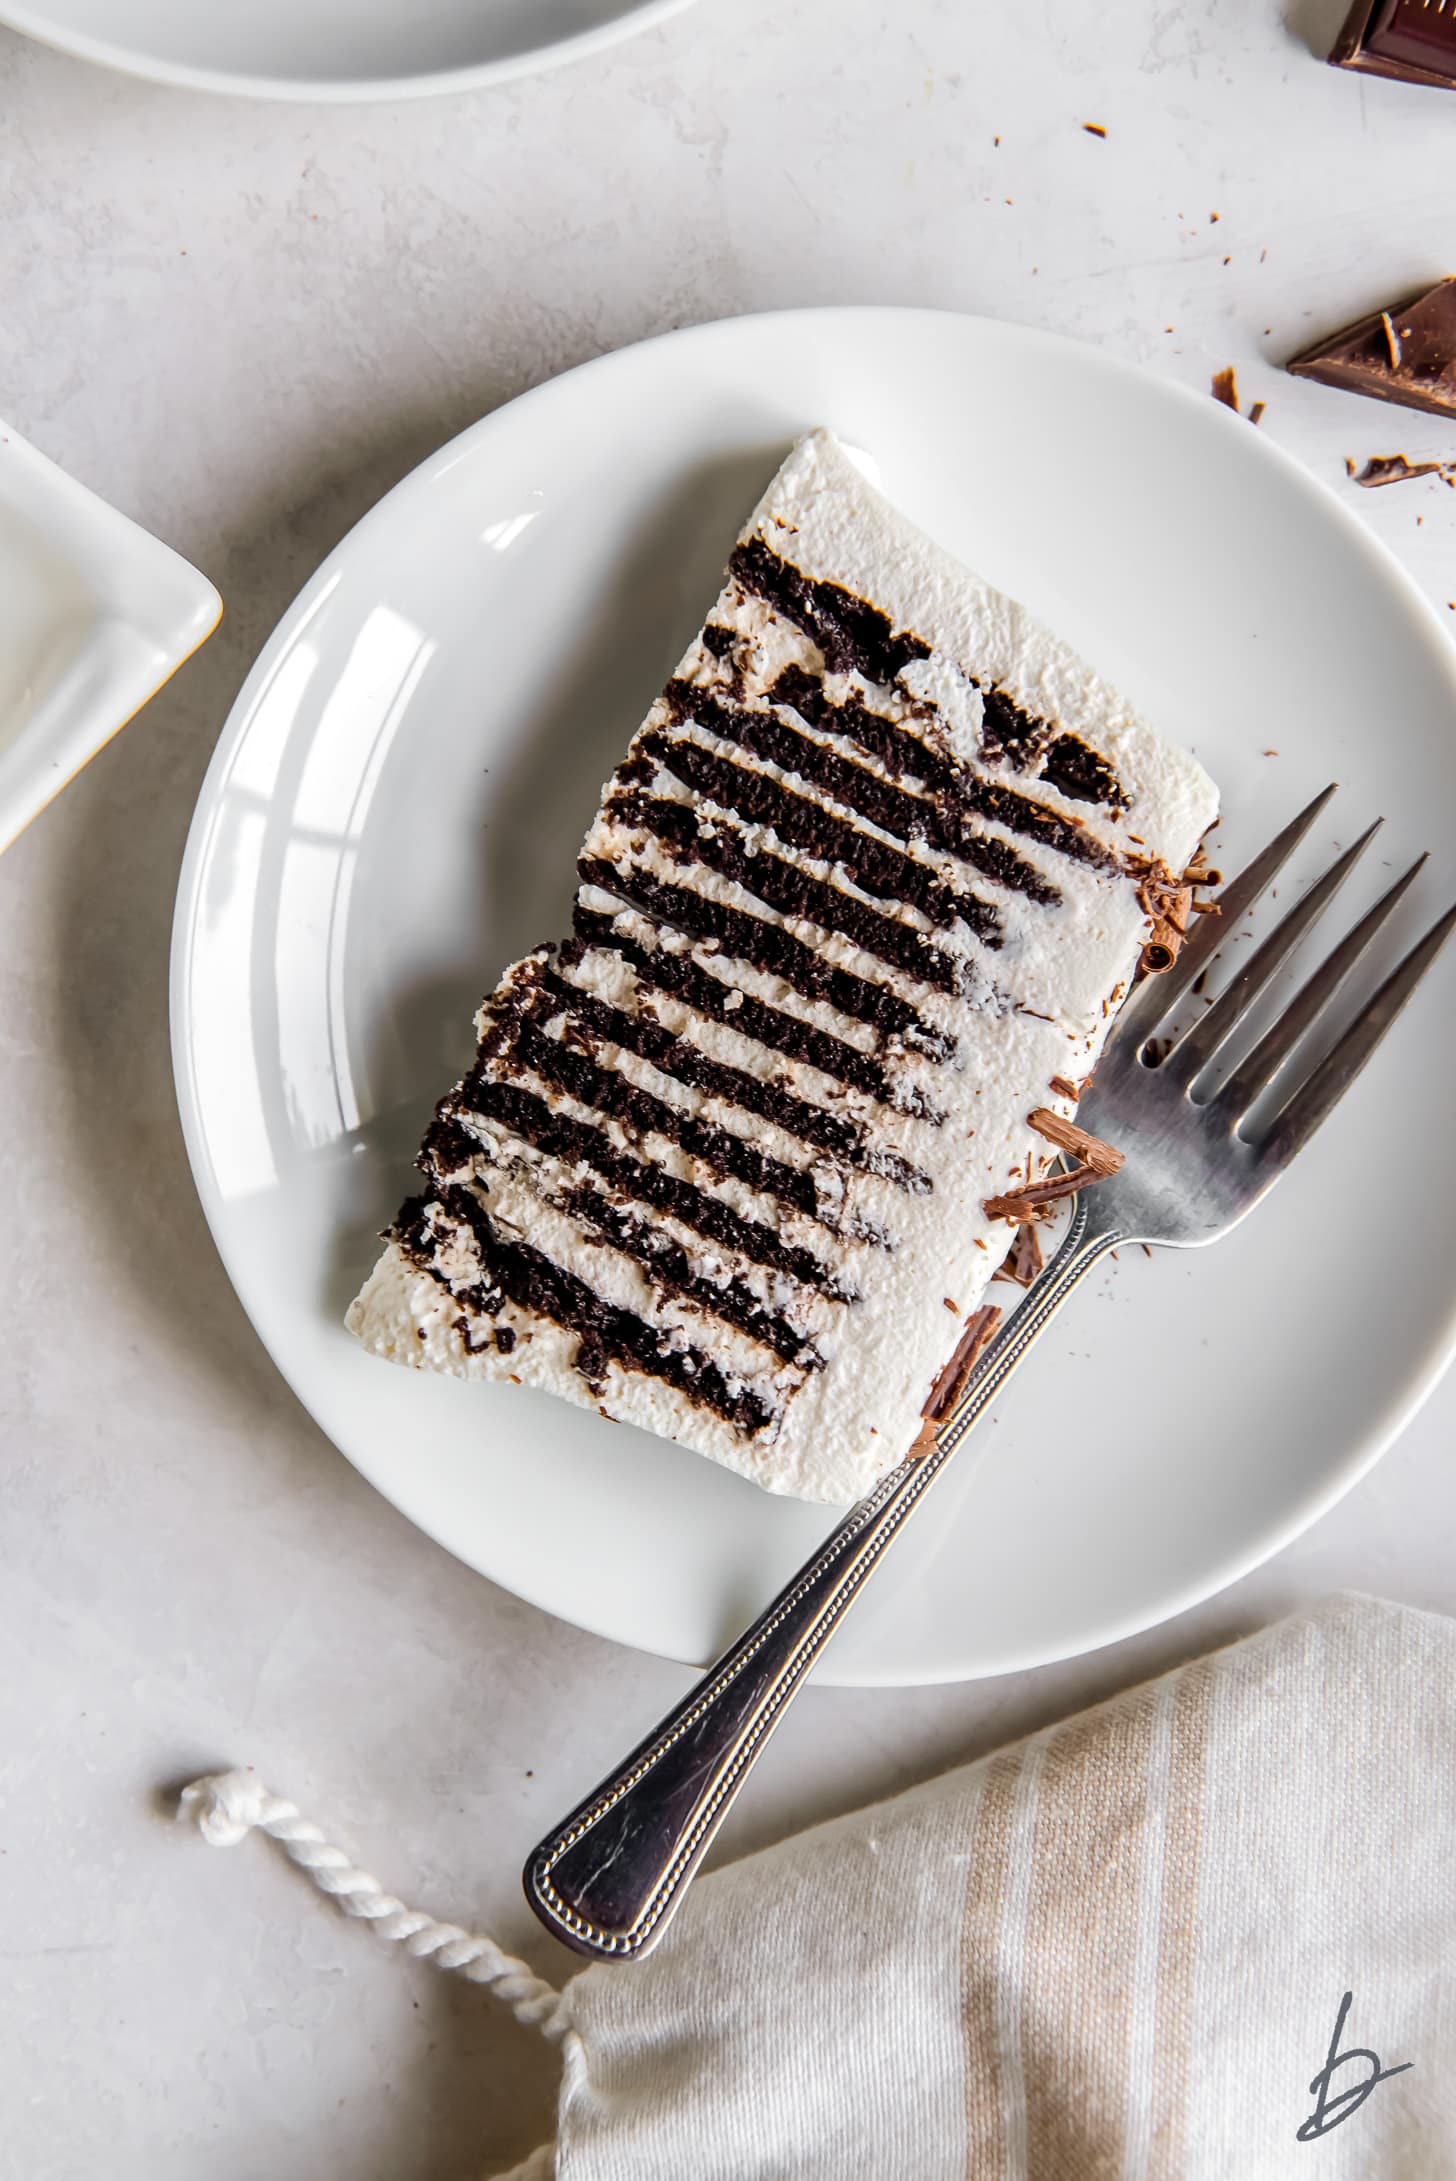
[225,1806]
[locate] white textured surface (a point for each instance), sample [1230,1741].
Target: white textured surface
[240,323]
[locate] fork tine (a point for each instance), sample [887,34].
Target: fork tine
[1159,994]
[1197,1046]
[1316,1098]
[1257,1070]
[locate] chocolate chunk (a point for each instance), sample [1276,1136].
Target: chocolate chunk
[1405,353]
[1412,41]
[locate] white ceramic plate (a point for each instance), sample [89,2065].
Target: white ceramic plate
[95,614]
[393,813]
[332,49]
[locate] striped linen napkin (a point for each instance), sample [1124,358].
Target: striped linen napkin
[1206,1932]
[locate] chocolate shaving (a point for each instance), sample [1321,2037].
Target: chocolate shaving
[1226,388]
[1063,1088]
[950,1385]
[1396,469]
[1091,1150]
[1024,1260]
[1256,413]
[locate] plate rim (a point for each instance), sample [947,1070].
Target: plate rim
[1359,1460]
[37,24]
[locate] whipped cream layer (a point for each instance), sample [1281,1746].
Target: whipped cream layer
[863,887]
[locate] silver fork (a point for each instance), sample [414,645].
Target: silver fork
[610,1876]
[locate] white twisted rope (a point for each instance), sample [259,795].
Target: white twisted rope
[227,1806]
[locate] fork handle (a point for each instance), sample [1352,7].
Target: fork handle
[608,1879]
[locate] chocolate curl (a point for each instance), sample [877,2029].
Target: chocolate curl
[1035,1201]
[1169,898]
[1170,929]
[1096,1160]
[1066,1135]
[951,1383]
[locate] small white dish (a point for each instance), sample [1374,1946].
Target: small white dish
[95,614]
[333,50]
[394,811]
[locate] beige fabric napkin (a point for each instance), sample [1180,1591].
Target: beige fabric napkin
[1116,1952]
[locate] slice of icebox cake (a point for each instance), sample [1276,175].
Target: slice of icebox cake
[737,1159]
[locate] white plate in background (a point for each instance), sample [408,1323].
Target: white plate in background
[333,50]
[95,614]
[393,813]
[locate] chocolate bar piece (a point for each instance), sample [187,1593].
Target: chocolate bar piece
[1413,41]
[1406,354]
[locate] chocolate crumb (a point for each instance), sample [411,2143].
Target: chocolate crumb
[1256,413]
[953,1308]
[1094,128]
[1063,1088]
[1226,388]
